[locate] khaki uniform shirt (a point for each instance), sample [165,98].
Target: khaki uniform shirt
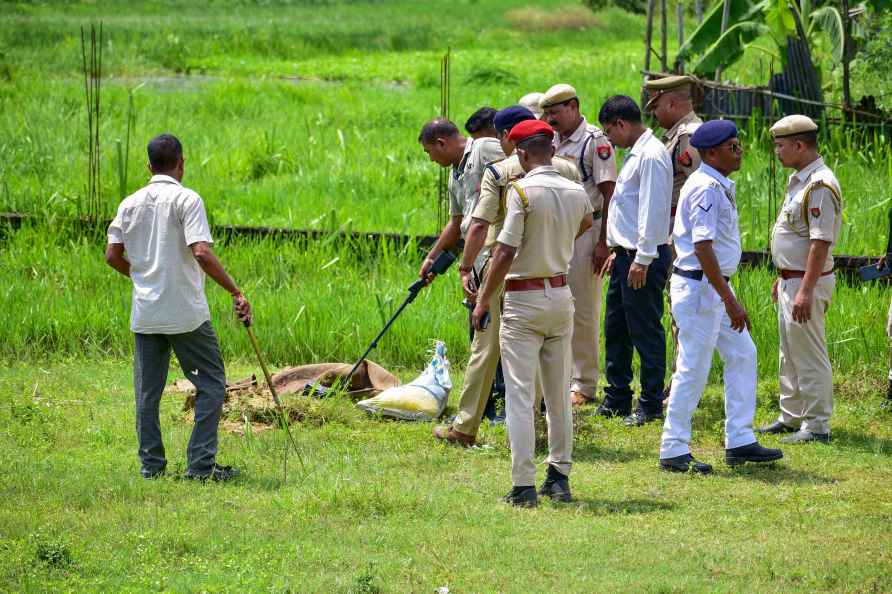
[812,210]
[590,150]
[464,180]
[685,158]
[542,221]
[494,189]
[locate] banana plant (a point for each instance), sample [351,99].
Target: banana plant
[772,19]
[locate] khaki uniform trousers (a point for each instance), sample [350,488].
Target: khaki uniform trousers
[481,371]
[536,334]
[806,378]
[586,289]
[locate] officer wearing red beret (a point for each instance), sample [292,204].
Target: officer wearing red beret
[545,214]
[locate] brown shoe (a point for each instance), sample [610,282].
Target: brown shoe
[578,399]
[452,436]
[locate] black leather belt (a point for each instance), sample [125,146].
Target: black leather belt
[625,251]
[693,274]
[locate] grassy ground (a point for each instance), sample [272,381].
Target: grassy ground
[382,508]
[325,302]
[333,143]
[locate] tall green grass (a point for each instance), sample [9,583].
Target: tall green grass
[336,143]
[322,301]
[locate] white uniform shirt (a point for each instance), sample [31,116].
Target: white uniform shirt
[464,178]
[156,225]
[638,215]
[707,211]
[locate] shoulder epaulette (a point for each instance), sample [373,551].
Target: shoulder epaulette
[523,195]
[837,199]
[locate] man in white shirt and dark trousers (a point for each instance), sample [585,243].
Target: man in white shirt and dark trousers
[163,229]
[708,315]
[638,236]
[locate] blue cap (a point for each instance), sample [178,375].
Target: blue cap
[713,133]
[511,116]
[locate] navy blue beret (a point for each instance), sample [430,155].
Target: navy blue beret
[511,116]
[713,133]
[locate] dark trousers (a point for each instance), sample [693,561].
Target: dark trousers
[634,320]
[198,353]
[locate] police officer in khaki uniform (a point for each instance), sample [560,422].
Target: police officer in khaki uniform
[807,227]
[467,158]
[545,213]
[486,223]
[670,102]
[593,155]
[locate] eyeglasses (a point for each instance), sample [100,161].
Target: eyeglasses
[735,147]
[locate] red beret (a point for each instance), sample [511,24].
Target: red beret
[529,128]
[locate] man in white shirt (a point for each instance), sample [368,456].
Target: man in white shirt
[707,246]
[164,231]
[638,236]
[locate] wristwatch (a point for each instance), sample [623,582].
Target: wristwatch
[465,268]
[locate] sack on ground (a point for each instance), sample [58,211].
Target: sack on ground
[424,399]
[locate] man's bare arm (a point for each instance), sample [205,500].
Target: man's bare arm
[710,266]
[211,265]
[114,257]
[448,238]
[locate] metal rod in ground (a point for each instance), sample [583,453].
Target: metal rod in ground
[283,417]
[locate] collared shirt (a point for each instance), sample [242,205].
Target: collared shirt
[543,225]
[707,211]
[638,216]
[812,210]
[685,158]
[156,225]
[464,178]
[590,150]
[494,189]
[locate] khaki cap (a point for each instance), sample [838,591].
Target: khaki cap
[557,94]
[657,86]
[793,124]
[531,102]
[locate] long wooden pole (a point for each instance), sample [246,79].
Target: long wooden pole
[649,34]
[664,35]
[726,14]
[846,44]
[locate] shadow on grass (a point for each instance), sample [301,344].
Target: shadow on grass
[605,507]
[591,452]
[850,440]
[776,474]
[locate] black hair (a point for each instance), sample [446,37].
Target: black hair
[808,138]
[480,120]
[537,146]
[165,151]
[619,107]
[437,128]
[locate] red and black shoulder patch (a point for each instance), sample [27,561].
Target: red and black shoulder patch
[815,212]
[604,152]
[684,159]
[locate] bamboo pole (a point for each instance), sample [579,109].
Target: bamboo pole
[649,34]
[726,14]
[846,45]
[664,35]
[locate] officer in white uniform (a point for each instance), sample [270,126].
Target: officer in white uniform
[707,245]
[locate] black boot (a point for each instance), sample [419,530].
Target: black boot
[556,486]
[522,497]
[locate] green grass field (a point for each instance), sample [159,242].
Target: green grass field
[306,114]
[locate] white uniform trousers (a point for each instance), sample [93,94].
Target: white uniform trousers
[703,327]
[806,378]
[586,288]
[535,336]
